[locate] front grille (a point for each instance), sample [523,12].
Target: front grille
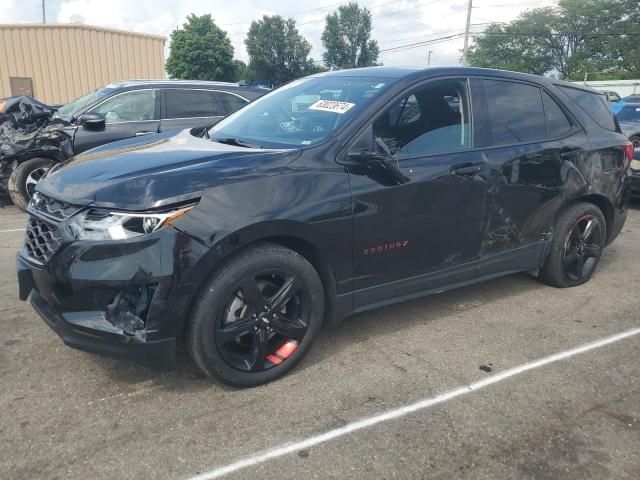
[52,208]
[42,240]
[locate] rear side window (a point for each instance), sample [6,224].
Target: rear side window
[230,102]
[190,104]
[594,104]
[557,122]
[516,112]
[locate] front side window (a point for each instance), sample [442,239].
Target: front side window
[301,113]
[133,106]
[516,112]
[191,104]
[431,121]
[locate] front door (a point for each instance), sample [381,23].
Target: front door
[129,114]
[422,211]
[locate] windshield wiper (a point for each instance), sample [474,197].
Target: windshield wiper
[234,141]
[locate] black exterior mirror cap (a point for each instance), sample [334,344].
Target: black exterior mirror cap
[92,120]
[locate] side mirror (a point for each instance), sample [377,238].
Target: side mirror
[92,120]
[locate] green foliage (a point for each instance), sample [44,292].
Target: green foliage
[571,39]
[346,38]
[277,52]
[239,70]
[200,50]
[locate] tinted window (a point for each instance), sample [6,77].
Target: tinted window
[134,106]
[630,113]
[516,112]
[433,120]
[190,104]
[230,102]
[594,104]
[557,122]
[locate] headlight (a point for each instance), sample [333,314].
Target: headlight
[635,164]
[100,224]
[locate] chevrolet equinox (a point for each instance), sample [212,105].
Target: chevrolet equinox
[331,195]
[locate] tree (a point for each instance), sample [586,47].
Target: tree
[200,50]
[575,38]
[240,70]
[346,38]
[277,52]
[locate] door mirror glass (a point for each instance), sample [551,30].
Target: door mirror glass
[92,121]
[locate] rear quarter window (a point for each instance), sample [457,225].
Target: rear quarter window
[593,104]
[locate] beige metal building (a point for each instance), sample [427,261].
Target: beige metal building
[56,63]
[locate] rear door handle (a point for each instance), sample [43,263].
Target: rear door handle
[466,169]
[140,134]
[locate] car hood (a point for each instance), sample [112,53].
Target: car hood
[157,170]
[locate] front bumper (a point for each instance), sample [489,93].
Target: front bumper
[126,299]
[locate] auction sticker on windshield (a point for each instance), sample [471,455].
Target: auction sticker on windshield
[332,106]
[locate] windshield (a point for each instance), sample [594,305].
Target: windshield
[302,113]
[630,113]
[70,109]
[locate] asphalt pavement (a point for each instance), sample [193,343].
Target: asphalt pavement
[66,414]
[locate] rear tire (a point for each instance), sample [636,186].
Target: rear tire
[579,236]
[23,180]
[246,336]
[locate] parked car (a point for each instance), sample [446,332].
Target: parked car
[629,119]
[115,112]
[635,173]
[612,97]
[242,242]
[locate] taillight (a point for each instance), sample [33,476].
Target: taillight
[628,151]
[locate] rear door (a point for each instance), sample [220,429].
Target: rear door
[127,114]
[534,145]
[189,108]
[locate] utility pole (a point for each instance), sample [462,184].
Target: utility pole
[44,15]
[429,58]
[466,34]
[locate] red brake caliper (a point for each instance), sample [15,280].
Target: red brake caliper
[283,352]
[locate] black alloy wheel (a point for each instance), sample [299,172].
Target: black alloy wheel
[583,248]
[257,316]
[263,321]
[579,238]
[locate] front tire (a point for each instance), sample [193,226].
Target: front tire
[579,236]
[256,317]
[24,178]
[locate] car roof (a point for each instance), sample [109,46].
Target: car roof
[398,73]
[168,83]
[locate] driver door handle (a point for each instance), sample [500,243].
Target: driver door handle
[140,134]
[466,169]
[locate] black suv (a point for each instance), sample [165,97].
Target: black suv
[115,112]
[331,195]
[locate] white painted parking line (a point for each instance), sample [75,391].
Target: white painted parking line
[12,230]
[289,448]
